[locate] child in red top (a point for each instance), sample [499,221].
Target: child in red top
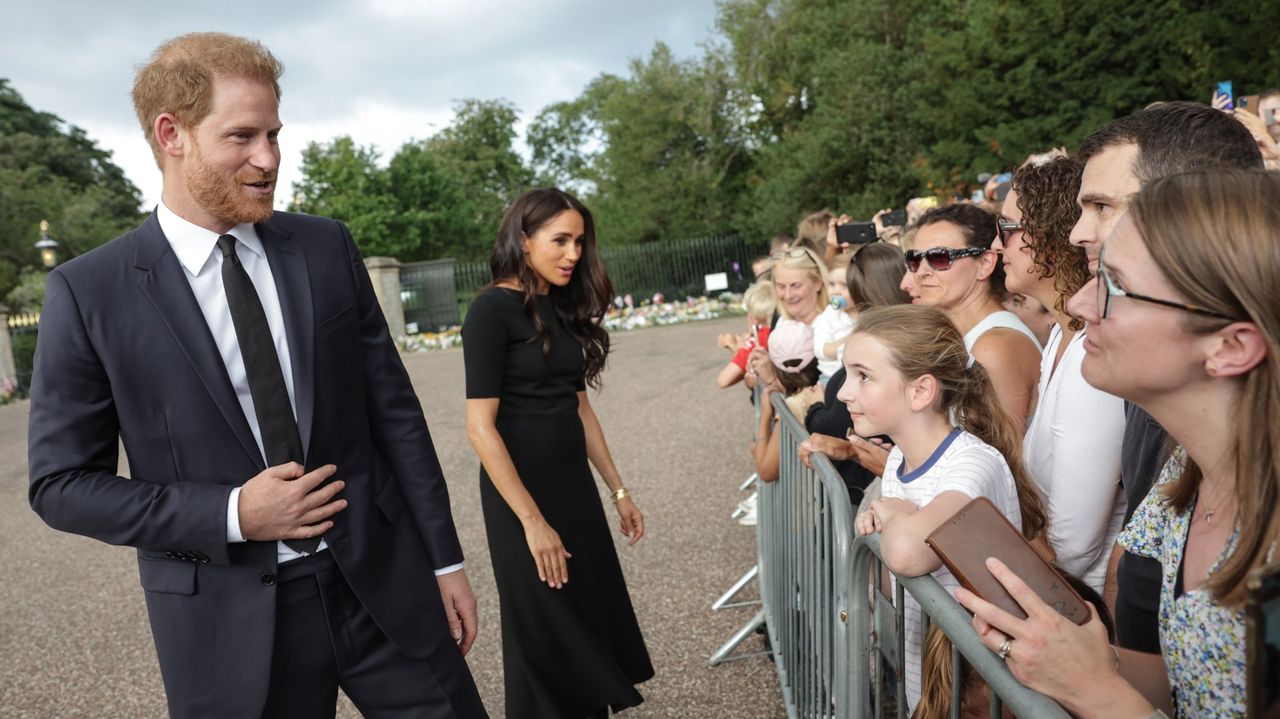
[760,305]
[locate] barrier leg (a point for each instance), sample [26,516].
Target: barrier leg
[748,482]
[723,601]
[722,654]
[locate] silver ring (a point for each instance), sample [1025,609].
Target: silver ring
[1005,648]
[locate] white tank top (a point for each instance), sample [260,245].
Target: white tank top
[1002,318]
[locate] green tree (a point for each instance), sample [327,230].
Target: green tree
[52,171]
[659,153]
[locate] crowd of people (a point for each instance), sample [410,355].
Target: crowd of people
[1089,341]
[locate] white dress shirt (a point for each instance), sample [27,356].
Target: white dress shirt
[195,248]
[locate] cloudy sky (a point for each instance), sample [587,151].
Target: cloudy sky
[382,71]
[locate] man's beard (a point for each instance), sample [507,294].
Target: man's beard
[221,195]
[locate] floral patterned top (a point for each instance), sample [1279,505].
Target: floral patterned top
[1202,642]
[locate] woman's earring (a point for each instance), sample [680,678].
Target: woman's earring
[1211,368]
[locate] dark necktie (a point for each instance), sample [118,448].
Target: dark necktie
[276,423]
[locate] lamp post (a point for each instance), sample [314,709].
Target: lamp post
[48,248]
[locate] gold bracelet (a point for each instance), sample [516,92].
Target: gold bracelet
[620,494]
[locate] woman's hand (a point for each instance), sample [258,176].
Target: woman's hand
[1046,651]
[632,519]
[872,454]
[759,361]
[833,239]
[835,448]
[548,553]
[866,523]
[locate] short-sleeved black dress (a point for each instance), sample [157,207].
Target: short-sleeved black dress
[576,651]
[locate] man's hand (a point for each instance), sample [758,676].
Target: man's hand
[283,503]
[459,608]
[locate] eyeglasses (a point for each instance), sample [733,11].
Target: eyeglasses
[939,258]
[1006,228]
[1108,289]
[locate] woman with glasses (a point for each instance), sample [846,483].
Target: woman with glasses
[1183,319]
[1072,444]
[952,267]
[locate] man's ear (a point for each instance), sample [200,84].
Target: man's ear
[1235,350]
[922,391]
[170,135]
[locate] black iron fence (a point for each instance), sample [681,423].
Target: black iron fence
[22,333]
[435,294]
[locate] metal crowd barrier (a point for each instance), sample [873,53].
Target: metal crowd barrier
[876,633]
[831,629]
[803,539]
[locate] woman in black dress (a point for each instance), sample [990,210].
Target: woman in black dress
[532,342]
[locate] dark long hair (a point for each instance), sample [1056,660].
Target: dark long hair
[580,305]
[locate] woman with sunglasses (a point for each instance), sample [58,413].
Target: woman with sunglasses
[1072,444]
[1183,319]
[954,269]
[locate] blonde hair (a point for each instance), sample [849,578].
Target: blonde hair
[1216,236]
[759,300]
[812,231]
[922,341]
[814,268]
[179,77]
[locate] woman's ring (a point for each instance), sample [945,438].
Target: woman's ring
[1005,648]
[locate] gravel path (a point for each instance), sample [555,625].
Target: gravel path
[73,628]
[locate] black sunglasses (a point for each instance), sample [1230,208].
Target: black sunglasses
[939,258]
[1006,228]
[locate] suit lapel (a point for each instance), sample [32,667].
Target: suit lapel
[293,286]
[163,281]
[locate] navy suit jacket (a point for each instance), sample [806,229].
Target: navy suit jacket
[124,353]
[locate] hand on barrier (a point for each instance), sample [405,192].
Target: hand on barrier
[866,523]
[835,448]
[1045,651]
[632,519]
[548,553]
[870,453]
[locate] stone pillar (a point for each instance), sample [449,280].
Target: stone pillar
[384,272]
[8,368]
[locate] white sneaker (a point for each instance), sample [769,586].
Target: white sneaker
[749,519]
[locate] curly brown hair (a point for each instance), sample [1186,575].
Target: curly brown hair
[1047,198]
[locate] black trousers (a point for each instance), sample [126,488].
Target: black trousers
[325,639]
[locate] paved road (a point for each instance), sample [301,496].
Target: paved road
[73,631]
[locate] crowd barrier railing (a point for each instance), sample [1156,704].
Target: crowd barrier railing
[803,539]
[876,632]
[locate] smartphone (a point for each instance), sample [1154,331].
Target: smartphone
[1224,88]
[897,218]
[856,233]
[1248,103]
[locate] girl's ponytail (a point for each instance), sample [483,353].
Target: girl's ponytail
[979,413]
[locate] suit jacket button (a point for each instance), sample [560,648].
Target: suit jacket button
[171,555]
[268,578]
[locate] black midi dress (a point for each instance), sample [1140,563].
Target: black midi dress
[572,652]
